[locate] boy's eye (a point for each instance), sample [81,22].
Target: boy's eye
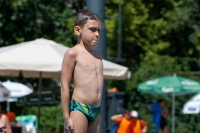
[94,29]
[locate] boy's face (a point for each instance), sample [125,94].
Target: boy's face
[89,33]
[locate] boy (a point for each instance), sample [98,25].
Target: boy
[82,113]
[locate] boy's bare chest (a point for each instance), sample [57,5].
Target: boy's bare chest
[89,63]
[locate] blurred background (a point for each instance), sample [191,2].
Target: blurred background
[157,38]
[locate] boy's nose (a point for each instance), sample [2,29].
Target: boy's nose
[98,32]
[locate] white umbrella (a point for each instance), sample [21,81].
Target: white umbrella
[17,89]
[4,93]
[192,106]
[42,55]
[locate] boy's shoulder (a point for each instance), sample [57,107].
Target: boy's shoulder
[97,53]
[71,51]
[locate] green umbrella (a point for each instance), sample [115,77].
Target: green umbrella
[174,85]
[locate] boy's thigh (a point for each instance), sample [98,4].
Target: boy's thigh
[94,127]
[80,122]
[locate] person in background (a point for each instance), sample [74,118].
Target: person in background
[137,125]
[124,121]
[14,123]
[4,123]
[160,114]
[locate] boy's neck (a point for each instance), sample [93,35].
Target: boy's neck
[85,46]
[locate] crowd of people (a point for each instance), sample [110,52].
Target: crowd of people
[129,122]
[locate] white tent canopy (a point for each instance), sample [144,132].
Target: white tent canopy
[192,106]
[42,55]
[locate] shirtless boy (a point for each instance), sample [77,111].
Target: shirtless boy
[82,64]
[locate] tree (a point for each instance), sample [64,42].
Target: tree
[26,20]
[152,29]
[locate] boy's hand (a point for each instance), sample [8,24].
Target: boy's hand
[69,128]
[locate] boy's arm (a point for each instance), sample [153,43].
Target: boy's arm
[114,117]
[68,65]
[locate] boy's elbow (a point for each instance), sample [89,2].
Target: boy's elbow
[64,88]
[61,90]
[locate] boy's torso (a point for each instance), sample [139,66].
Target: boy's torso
[88,78]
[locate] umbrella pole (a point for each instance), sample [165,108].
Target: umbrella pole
[8,106]
[173,112]
[39,99]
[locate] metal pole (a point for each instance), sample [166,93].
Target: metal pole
[119,30]
[8,106]
[173,113]
[97,6]
[39,99]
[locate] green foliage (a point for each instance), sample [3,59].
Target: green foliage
[51,117]
[25,20]
[151,29]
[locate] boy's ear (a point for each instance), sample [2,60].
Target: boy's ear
[77,30]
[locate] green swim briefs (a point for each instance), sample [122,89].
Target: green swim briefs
[90,112]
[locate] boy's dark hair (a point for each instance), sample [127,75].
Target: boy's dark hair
[82,17]
[160,100]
